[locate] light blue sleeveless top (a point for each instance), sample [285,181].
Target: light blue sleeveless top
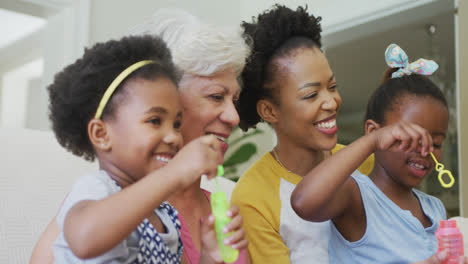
[393,235]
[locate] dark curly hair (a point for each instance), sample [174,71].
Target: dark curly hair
[387,96]
[77,90]
[276,33]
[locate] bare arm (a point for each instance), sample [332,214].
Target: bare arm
[42,252]
[326,192]
[93,227]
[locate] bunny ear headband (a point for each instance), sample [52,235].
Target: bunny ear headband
[397,58]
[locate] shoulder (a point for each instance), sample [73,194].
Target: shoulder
[259,185]
[95,183]
[260,175]
[93,186]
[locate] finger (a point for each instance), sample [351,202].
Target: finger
[207,223]
[414,137]
[211,141]
[425,141]
[400,134]
[234,224]
[212,170]
[210,220]
[233,211]
[235,238]
[463,260]
[437,258]
[214,143]
[241,244]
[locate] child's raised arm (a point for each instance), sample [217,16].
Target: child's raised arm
[327,191]
[93,227]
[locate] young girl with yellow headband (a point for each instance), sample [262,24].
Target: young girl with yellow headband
[119,104]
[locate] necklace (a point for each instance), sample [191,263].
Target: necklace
[275,155]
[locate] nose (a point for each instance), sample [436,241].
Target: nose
[173,138]
[230,115]
[330,102]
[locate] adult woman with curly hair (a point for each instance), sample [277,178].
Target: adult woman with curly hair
[211,58]
[289,84]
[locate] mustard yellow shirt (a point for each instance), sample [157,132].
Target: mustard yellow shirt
[275,233]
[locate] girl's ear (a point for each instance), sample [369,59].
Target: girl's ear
[371,126]
[98,134]
[267,111]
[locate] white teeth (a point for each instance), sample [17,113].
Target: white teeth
[329,124]
[221,138]
[164,159]
[417,165]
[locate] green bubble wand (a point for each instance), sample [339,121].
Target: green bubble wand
[440,168]
[220,206]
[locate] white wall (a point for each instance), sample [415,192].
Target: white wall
[83,22]
[113,19]
[336,14]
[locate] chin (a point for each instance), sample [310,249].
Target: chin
[328,144]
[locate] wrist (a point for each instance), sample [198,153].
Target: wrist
[170,175]
[372,142]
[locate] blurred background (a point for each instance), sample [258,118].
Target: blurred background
[39,37]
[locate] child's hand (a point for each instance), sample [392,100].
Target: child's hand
[198,157]
[210,250]
[405,137]
[439,258]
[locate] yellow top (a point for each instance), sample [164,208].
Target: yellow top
[275,233]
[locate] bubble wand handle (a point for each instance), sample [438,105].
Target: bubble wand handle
[220,206]
[440,168]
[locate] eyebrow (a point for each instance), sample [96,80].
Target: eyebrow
[157,109]
[226,90]
[315,83]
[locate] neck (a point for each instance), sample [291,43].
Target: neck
[117,174]
[389,186]
[298,160]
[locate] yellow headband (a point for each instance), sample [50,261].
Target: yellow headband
[110,90]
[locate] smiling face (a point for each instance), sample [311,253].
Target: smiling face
[208,104]
[145,131]
[409,169]
[308,100]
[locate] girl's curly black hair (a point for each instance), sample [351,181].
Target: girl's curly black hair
[273,34]
[77,90]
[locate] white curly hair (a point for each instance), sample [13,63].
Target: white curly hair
[197,48]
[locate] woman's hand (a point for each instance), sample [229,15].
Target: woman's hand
[237,240]
[439,258]
[210,250]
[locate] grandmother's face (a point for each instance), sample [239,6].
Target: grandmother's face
[208,106]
